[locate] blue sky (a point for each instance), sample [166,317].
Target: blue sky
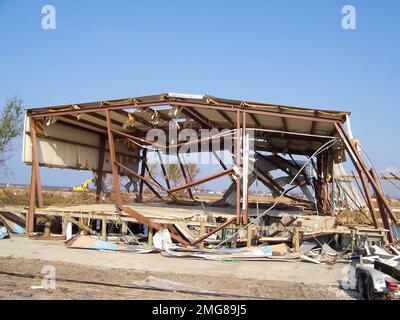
[284,52]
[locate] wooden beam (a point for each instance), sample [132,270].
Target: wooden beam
[202,238]
[83,226]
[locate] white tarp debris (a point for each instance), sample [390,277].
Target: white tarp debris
[3,233]
[162,240]
[326,249]
[308,259]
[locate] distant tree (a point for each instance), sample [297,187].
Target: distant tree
[174,172]
[11,125]
[193,170]
[153,170]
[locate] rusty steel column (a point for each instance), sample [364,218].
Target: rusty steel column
[35,195]
[325,189]
[35,163]
[100,166]
[142,173]
[238,193]
[245,146]
[318,182]
[118,199]
[29,224]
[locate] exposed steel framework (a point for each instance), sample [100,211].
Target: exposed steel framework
[238,115]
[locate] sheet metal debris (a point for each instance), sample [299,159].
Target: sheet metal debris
[93,243]
[15,222]
[4,233]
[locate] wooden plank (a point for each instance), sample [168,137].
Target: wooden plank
[249,236]
[83,226]
[104,229]
[31,212]
[150,237]
[220,227]
[202,232]
[64,225]
[124,229]
[296,239]
[47,226]
[100,168]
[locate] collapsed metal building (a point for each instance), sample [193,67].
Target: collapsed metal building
[307,146]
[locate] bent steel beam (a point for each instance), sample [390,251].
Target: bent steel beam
[118,200]
[100,168]
[212,232]
[147,182]
[185,177]
[358,162]
[195,183]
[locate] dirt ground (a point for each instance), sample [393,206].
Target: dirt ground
[20,287]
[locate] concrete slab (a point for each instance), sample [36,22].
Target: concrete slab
[297,272]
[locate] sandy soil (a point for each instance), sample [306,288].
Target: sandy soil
[16,287]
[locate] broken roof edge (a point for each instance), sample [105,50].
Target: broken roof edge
[202,99]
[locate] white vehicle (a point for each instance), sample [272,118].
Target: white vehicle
[380,280]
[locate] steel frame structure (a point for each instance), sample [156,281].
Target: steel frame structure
[239,113]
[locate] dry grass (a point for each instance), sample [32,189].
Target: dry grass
[19,196]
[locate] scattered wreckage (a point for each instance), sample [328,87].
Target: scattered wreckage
[281,149]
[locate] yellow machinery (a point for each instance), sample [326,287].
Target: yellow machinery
[84,187]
